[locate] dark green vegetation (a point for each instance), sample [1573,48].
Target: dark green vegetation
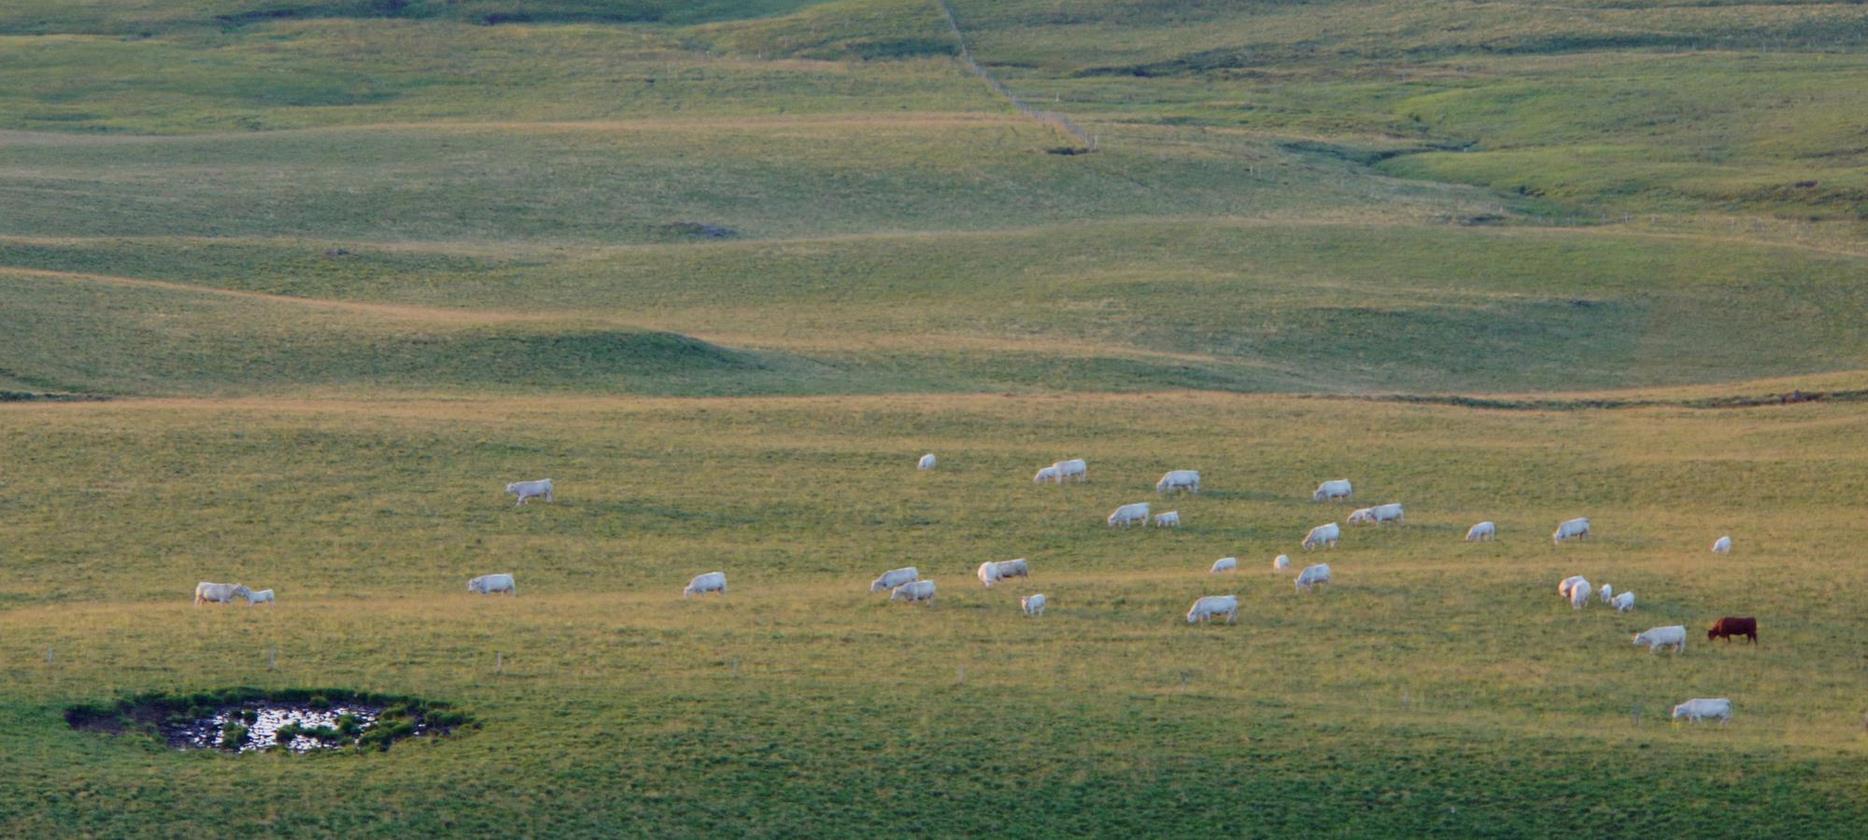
[289,288]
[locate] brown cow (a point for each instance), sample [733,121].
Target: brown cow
[1727,627]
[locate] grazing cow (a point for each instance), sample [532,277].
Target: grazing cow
[1571,529]
[1673,636]
[1325,535]
[1281,562]
[1563,586]
[1722,545]
[991,573]
[1226,564]
[1390,512]
[1361,516]
[1607,593]
[1727,627]
[1127,515]
[703,584]
[1700,708]
[1579,595]
[489,584]
[264,596]
[1168,519]
[1214,606]
[1183,480]
[1032,604]
[530,489]
[1330,491]
[220,593]
[894,577]
[914,590]
[1049,474]
[1482,531]
[926,463]
[1623,602]
[1312,576]
[1073,470]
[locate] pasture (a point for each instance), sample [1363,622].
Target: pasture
[289,291]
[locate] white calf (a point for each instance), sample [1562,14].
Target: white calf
[1313,576]
[1623,602]
[1482,531]
[1281,562]
[1032,604]
[1225,564]
[1722,545]
[926,463]
[264,596]
[1333,490]
[1169,519]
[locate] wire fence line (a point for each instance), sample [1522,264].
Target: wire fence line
[1062,122]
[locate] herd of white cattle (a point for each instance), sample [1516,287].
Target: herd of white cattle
[906,584]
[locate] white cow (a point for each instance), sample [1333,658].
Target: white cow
[1168,519]
[1326,534]
[1579,595]
[264,596]
[991,573]
[1571,529]
[1722,545]
[220,593]
[1032,604]
[894,577]
[1074,469]
[1482,531]
[1049,474]
[1214,606]
[703,584]
[914,590]
[1333,490]
[1623,602]
[926,463]
[1563,586]
[1313,575]
[1225,564]
[1127,515]
[1281,562]
[1185,480]
[1607,593]
[1390,512]
[1673,636]
[489,584]
[1700,708]
[530,489]
[1361,516]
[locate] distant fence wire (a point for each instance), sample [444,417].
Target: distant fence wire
[1052,117]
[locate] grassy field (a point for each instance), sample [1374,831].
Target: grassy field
[289,290]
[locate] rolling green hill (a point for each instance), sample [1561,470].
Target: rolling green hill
[291,288]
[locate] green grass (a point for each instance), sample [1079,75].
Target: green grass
[1436,687]
[290,290]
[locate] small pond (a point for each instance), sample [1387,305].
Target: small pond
[251,720]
